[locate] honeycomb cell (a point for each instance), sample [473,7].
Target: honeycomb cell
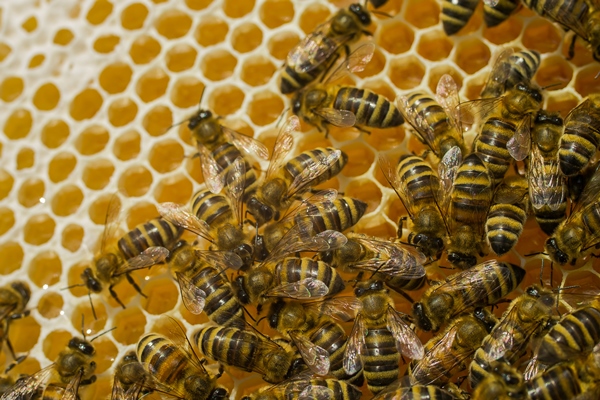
[74,280]
[127,146]
[246,37]
[257,70]
[366,191]
[395,37]
[360,159]
[25,158]
[274,13]
[180,57]
[586,81]
[237,9]
[435,46]
[115,77]
[144,49]
[31,192]
[36,61]
[66,200]
[133,16]
[63,37]
[7,219]
[185,92]
[106,353]
[130,325]
[162,296]
[11,88]
[176,188]
[211,31]
[141,212]
[45,269]
[50,305]
[225,100]
[562,103]
[436,73]
[99,12]
[541,28]
[422,13]
[218,65]
[374,67]
[54,133]
[474,87]
[55,342]
[5,50]
[6,183]
[197,4]
[18,124]
[82,318]
[406,73]
[166,156]
[97,173]
[24,334]
[313,15]
[135,181]
[158,121]
[99,208]
[472,55]
[85,105]
[386,139]
[72,237]
[152,85]
[194,170]
[506,32]
[61,166]
[92,140]
[173,24]
[39,229]
[265,107]
[554,71]
[122,111]
[106,43]
[30,24]
[46,97]
[11,254]
[581,52]
[280,45]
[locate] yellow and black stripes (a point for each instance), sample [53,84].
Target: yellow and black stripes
[499,13]
[381,359]
[294,269]
[339,214]
[156,232]
[456,14]
[310,159]
[471,192]
[491,146]
[225,155]
[371,109]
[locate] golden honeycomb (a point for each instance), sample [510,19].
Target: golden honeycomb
[91,88]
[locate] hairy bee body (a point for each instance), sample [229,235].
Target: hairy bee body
[566,381]
[519,67]
[225,155]
[129,378]
[156,232]
[417,392]
[502,382]
[456,14]
[493,16]
[309,389]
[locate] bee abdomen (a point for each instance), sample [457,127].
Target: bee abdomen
[504,226]
[225,155]
[312,158]
[370,108]
[211,207]
[339,214]
[456,14]
[292,81]
[156,232]
[493,16]
[559,382]
[162,357]
[294,269]
[491,145]
[228,345]
[419,177]
[380,359]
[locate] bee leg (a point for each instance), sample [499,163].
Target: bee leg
[220,371]
[88,381]
[363,130]
[572,48]
[133,283]
[401,228]
[112,292]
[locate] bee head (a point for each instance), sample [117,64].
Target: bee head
[297,103]
[274,313]
[219,394]
[82,346]
[198,118]
[421,320]
[23,289]
[462,261]
[431,246]
[361,13]
[488,319]
[558,255]
[365,287]
[90,280]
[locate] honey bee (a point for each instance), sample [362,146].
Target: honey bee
[579,233]
[482,285]
[6,383]
[174,365]
[456,14]
[435,123]
[319,50]
[446,353]
[131,380]
[507,214]
[510,68]
[285,182]
[502,382]
[13,300]
[576,183]
[581,136]
[407,391]
[312,328]
[528,316]
[378,337]
[496,12]
[308,388]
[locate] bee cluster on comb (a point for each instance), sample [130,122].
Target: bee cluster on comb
[360,231]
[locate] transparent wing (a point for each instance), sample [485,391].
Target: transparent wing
[330,240]
[447,96]
[235,184]
[314,49]
[308,288]
[547,185]
[491,3]
[355,62]
[211,170]
[342,308]
[72,388]
[304,180]
[220,259]
[341,118]
[569,19]
[355,347]
[297,238]
[304,207]
[26,387]
[447,170]
[111,221]
[407,341]
[423,129]
[315,357]
[193,298]
[518,146]
[591,190]
[246,143]
[118,392]
[147,258]
[399,185]
[499,73]
[393,258]
[178,336]
[283,145]
[180,216]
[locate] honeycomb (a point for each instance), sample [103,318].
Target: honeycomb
[90,91]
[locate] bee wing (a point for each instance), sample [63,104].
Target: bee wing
[447,170]
[399,185]
[355,62]
[297,238]
[180,216]
[472,113]
[147,258]
[235,184]
[500,70]
[211,170]
[518,146]
[246,143]
[544,179]
[111,221]
[305,208]
[355,347]
[447,96]
[283,145]
[532,368]
[315,357]
[491,3]
[72,388]
[220,259]
[314,49]
[395,259]
[25,388]
[407,341]
[118,392]
[193,298]
[341,118]
[423,129]
[341,308]
[178,336]
[330,240]
[308,288]
[303,180]
[568,19]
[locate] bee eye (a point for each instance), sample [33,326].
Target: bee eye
[359,291]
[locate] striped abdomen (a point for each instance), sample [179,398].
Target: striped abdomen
[552,183]
[231,346]
[311,159]
[558,382]
[225,155]
[456,14]
[294,269]
[418,392]
[371,109]
[491,145]
[292,81]
[339,214]
[493,16]
[420,181]
[156,232]
[576,10]
[581,137]
[214,209]
[380,360]
[521,65]
[165,361]
[471,192]
[339,390]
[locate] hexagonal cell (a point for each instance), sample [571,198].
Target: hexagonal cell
[375,66]
[386,139]
[122,111]
[115,77]
[422,13]
[313,15]
[152,85]
[99,11]
[106,43]
[162,296]
[133,16]
[6,183]
[246,37]
[144,49]
[407,72]
[50,305]
[99,208]
[265,107]
[562,103]
[586,81]
[11,88]
[135,181]
[436,73]
[506,32]
[474,86]
[66,200]
[472,55]
[366,191]
[63,37]
[55,342]
[237,9]
[25,158]
[226,99]
[218,65]
[166,156]
[72,237]
[274,13]
[210,31]
[85,104]
[127,146]
[180,57]
[12,257]
[39,229]
[130,325]
[173,24]
[92,140]
[435,46]
[360,159]
[74,280]
[186,91]
[106,353]
[140,213]
[395,37]
[7,219]
[31,191]
[45,269]
[97,173]
[194,170]
[176,188]
[280,45]
[90,321]
[197,4]
[582,54]
[554,72]
[158,120]
[18,124]
[54,133]
[46,97]
[61,166]
[257,70]
[24,334]
[541,28]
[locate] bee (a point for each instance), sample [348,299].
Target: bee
[285,182]
[312,328]
[415,392]
[527,317]
[576,235]
[435,123]
[13,300]
[447,352]
[308,388]
[576,183]
[456,14]
[547,186]
[502,382]
[378,337]
[174,365]
[510,68]
[581,136]
[319,50]
[495,14]
[507,214]
[131,380]
[6,383]
[482,285]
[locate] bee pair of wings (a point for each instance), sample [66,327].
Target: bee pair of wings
[303,386]
[407,341]
[27,387]
[547,185]
[589,204]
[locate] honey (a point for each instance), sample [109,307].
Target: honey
[157,121]
[166,156]
[265,107]
[72,237]
[25,158]
[131,325]
[97,173]
[85,104]
[39,229]
[226,100]
[274,13]
[61,166]
[257,71]
[127,146]
[211,31]
[46,97]
[18,124]
[152,85]
[54,133]
[11,88]
[472,55]
[538,29]
[63,37]
[31,192]
[144,49]
[246,37]
[180,57]
[12,257]
[173,24]
[50,305]
[7,219]
[66,200]
[115,78]
[176,188]
[395,37]
[36,61]
[133,16]
[406,72]
[185,92]
[122,112]
[314,15]
[45,269]
[236,9]
[162,296]
[135,181]
[217,65]
[99,12]
[92,140]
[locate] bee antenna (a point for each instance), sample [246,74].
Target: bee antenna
[384,14]
[536,254]
[260,319]
[92,306]
[103,333]
[281,116]
[553,84]
[82,330]
[72,286]
[250,316]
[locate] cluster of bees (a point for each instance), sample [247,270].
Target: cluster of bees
[277,247]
